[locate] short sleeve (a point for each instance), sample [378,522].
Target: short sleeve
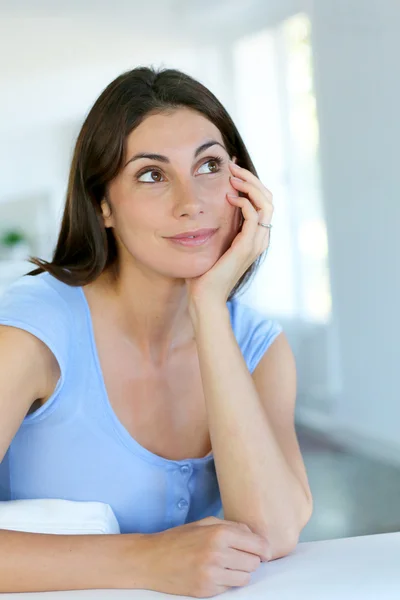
[254,331]
[33,305]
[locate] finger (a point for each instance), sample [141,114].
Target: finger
[238,524]
[253,238]
[248,239]
[208,521]
[223,523]
[255,235]
[241,561]
[262,238]
[262,235]
[229,578]
[249,212]
[248,176]
[221,589]
[261,200]
[250,542]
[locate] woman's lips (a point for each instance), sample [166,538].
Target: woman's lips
[195,241]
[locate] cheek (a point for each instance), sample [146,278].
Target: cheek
[232,215]
[219,183]
[227,215]
[133,226]
[135,214]
[216,189]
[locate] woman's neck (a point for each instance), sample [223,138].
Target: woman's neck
[151,313]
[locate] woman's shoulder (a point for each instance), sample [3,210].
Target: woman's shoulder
[248,319]
[36,291]
[40,305]
[254,330]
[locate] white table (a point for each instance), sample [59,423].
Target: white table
[361,568]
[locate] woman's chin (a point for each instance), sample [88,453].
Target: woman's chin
[192,271]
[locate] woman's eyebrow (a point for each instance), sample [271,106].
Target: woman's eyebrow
[165,159]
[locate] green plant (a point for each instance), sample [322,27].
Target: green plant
[12,237]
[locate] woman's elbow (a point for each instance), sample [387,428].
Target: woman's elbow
[285,539]
[284,544]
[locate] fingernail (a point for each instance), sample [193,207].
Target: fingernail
[236,179]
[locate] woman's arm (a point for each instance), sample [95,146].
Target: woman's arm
[260,471]
[40,562]
[35,562]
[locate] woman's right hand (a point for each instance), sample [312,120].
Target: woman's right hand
[201,559]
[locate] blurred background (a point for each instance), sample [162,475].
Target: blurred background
[314,88]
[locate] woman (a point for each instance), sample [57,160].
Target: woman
[129,373]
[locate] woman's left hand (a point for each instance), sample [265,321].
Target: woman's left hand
[253,239]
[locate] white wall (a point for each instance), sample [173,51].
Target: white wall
[357,50]
[52,69]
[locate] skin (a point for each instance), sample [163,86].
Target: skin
[186,194]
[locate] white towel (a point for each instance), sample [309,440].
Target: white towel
[58,516]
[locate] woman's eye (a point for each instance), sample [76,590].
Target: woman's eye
[213,165]
[152,175]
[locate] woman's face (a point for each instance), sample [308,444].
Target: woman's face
[153,199]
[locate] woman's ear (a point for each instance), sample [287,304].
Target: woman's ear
[106,212]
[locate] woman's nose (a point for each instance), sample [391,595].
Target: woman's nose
[188,202]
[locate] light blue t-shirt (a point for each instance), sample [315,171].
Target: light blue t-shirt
[74,447]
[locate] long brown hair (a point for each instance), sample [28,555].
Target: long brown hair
[85,248]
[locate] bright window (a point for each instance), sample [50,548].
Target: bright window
[276,114]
